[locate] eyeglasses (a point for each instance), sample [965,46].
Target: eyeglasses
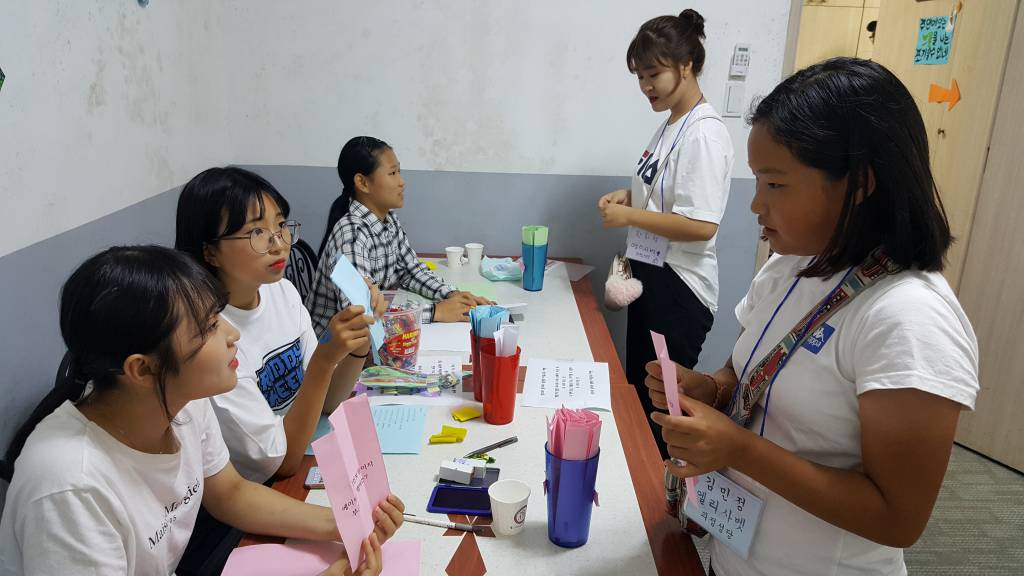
[261,240]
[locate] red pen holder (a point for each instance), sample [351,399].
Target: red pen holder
[478,381]
[500,377]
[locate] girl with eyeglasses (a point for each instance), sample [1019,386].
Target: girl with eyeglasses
[235,223]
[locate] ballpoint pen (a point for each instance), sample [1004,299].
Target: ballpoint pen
[488,448]
[440,524]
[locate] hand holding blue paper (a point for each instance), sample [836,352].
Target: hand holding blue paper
[354,286]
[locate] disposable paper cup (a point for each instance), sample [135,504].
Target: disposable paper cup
[508,506]
[454,254]
[474,254]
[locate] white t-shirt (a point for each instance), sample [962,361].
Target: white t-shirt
[906,331]
[84,503]
[274,349]
[696,185]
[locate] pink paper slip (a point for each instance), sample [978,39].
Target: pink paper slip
[668,376]
[668,373]
[400,558]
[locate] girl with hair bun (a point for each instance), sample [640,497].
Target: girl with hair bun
[676,201]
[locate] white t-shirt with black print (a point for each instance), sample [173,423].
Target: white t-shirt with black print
[695,184]
[274,349]
[84,503]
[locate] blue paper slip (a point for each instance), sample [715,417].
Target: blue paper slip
[351,283]
[400,428]
[486,320]
[323,426]
[727,511]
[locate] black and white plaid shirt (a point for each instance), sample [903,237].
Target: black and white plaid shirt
[379,251]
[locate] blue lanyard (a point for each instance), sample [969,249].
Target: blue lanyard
[670,150]
[785,359]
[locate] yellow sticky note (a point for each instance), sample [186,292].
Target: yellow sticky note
[455,431]
[430,264]
[465,413]
[443,439]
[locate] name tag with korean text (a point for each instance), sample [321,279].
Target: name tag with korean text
[647,247]
[726,510]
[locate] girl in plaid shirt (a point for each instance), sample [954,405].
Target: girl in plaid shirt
[362,226]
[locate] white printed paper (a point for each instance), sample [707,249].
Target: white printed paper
[555,383]
[439,365]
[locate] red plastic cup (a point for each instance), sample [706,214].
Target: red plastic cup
[478,381]
[500,380]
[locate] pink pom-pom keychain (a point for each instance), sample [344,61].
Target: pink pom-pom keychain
[621,289]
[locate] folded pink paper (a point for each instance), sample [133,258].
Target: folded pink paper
[352,467]
[400,558]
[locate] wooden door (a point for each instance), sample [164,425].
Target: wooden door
[866,45]
[826,31]
[958,138]
[994,275]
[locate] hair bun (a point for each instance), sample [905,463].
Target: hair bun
[692,22]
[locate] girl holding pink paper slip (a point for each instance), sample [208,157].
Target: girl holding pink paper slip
[843,393]
[107,475]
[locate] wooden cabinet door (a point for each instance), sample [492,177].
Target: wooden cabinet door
[958,138]
[866,45]
[994,276]
[825,32]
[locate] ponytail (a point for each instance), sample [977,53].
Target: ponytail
[70,385]
[339,208]
[125,300]
[358,156]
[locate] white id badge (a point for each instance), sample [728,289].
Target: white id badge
[726,510]
[647,247]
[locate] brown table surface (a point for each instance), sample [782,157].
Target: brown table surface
[673,551]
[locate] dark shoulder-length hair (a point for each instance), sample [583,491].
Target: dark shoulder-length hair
[215,203]
[850,117]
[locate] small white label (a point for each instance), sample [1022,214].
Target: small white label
[647,247]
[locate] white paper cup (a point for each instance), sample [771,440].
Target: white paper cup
[474,254]
[508,506]
[454,256]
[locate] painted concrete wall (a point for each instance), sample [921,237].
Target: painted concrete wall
[106,103]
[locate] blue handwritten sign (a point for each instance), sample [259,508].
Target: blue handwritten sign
[933,41]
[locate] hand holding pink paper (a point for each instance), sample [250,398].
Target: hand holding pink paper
[668,376]
[353,470]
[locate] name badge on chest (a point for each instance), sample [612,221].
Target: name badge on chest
[726,510]
[647,247]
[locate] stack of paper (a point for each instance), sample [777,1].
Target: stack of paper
[574,434]
[486,320]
